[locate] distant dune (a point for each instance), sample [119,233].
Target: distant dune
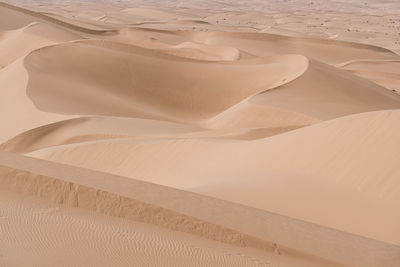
[193,136]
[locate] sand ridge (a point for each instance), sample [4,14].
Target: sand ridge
[280,152]
[140,201]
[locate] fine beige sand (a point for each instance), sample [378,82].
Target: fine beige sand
[200,133]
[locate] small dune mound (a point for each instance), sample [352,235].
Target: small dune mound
[203,51]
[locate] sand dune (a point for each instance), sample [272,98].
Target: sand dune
[120,197]
[178,92]
[325,92]
[315,162]
[86,129]
[17,112]
[203,52]
[385,72]
[193,134]
[262,44]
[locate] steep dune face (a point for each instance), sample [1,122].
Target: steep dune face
[181,94]
[17,112]
[325,92]
[322,92]
[142,83]
[312,167]
[385,73]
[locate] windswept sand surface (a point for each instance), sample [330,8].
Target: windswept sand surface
[52,235]
[200,133]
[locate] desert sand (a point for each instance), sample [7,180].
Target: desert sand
[200,133]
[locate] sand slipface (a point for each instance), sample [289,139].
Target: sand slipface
[188,134]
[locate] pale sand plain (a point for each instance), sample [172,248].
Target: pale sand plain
[180,133]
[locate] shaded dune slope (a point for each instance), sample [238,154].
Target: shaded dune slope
[385,73]
[325,92]
[192,90]
[204,46]
[189,90]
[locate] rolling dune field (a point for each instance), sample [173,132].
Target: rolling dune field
[200,133]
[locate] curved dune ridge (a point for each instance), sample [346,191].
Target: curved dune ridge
[86,129]
[174,137]
[179,91]
[385,73]
[17,43]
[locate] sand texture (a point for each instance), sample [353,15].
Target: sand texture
[200,133]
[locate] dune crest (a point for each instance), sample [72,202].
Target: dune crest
[13,44]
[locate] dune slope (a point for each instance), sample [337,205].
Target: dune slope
[191,90]
[311,167]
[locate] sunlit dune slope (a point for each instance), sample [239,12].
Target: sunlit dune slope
[17,112]
[70,191]
[86,129]
[20,42]
[43,232]
[312,167]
